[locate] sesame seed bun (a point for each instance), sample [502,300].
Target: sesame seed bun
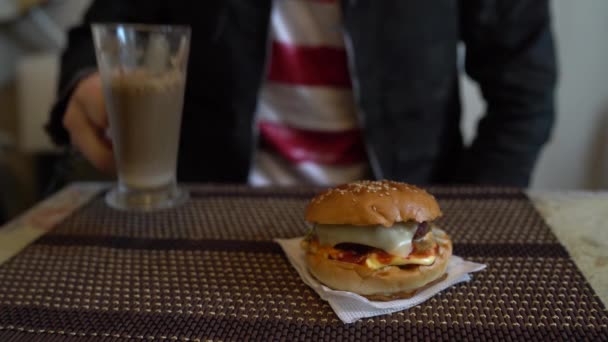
[384,284]
[368,203]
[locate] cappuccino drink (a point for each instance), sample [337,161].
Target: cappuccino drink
[143,71]
[145,110]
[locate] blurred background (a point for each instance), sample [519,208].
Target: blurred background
[33,32]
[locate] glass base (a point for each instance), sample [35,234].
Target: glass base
[123,198]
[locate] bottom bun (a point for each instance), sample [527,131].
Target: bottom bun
[387,283]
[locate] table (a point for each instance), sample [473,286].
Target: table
[580,221]
[210,271]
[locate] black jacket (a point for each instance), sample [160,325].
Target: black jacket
[403,62]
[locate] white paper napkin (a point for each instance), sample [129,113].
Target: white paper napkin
[350,306]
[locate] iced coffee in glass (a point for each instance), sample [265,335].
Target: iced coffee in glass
[143,71]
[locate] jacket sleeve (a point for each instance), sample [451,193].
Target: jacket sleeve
[78,59]
[510,53]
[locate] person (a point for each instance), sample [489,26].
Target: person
[311,91]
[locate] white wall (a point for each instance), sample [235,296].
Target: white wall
[39,30]
[577,155]
[29,47]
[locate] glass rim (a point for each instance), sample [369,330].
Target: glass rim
[143,27]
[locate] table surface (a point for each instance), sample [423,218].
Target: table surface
[578,219]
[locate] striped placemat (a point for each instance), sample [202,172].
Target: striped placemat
[209,271]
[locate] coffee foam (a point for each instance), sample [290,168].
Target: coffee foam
[144,82]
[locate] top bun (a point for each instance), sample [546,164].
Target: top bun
[365,203]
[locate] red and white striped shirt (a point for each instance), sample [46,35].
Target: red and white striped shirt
[308,132]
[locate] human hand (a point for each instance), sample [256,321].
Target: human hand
[86,120]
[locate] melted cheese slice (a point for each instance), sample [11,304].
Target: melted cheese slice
[396,240]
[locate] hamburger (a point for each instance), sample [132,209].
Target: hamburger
[376,239]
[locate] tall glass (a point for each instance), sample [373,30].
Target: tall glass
[143,72]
